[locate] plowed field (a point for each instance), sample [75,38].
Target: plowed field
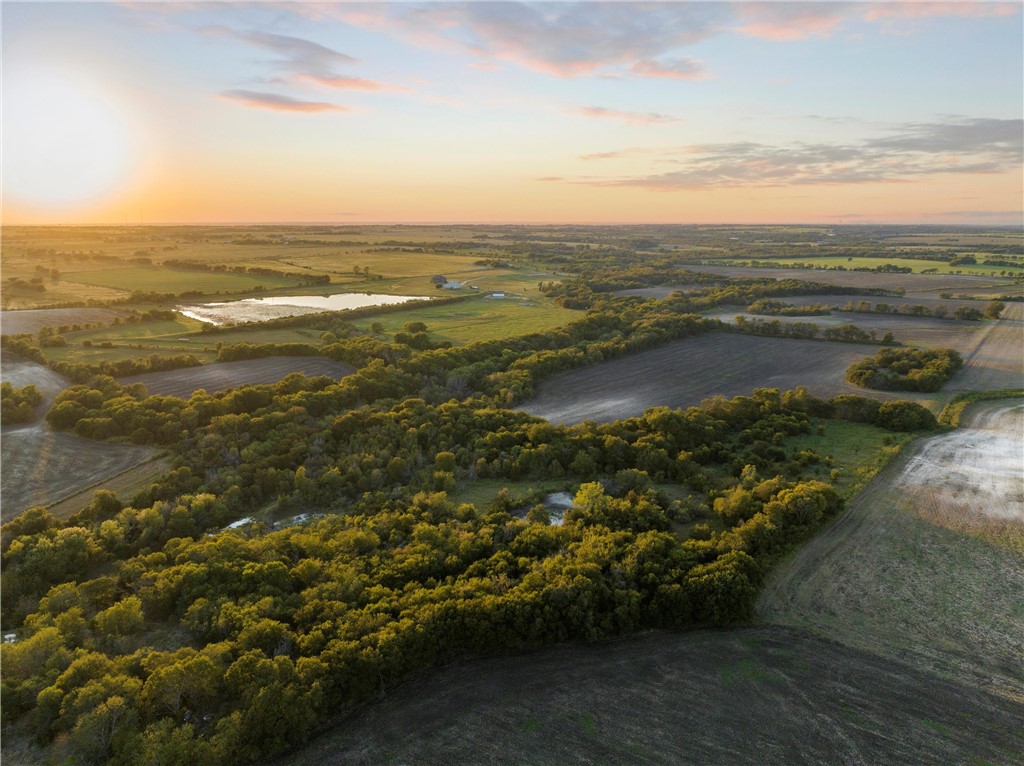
[249,372]
[684,372]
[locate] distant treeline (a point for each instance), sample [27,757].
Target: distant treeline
[770,307]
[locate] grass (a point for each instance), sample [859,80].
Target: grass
[480,319]
[162,280]
[860,450]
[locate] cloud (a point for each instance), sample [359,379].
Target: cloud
[300,55]
[279,103]
[630,118]
[560,39]
[787,22]
[350,83]
[790,21]
[551,178]
[967,146]
[906,10]
[677,69]
[303,61]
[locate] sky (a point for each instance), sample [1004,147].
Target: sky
[494,112]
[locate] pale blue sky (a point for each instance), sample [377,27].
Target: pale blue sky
[456,112]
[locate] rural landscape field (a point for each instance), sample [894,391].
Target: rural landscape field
[512,383]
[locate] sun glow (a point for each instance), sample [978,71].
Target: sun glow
[66,141]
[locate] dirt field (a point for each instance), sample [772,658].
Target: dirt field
[124,485]
[40,467]
[659,292]
[16,322]
[759,696]
[891,578]
[21,372]
[223,375]
[913,283]
[997,360]
[684,372]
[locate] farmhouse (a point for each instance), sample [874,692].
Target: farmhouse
[452,285]
[438,279]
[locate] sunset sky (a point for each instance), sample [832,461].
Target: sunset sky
[501,112]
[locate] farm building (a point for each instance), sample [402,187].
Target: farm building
[497,295]
[438,279]
[452,285]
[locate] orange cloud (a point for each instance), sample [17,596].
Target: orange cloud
[632,118]
[677,69]
[786,22]
[273,101]
[350,83]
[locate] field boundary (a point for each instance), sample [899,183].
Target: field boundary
[88,491]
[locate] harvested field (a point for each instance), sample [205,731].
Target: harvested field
[220,376]
[124,485]
[32,320]
[660,292]
[21,372]
[41,467]
[904,573]
[912,283]
[997,360]
[931,301]
[761,696]
[684,372]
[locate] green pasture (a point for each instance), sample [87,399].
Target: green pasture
[862,450]
[480,492]
[162,280]
[482,318]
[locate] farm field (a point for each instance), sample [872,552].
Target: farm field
[764,695]
[926,566]
[21,372]
[824,262]
[164,280]
[220,376]
[33,320]
[124,485]
[914,284]
[685,372]
[660,292]
[997,362]
[479,319]
[913,299]
[41,466]
[913,331]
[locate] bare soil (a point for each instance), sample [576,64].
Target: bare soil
[684,372]
[39,466]
[33,320]
[761,696]
[21,372]
[124,485]
[914,284]
[925,566]
[220,376]
[997,360]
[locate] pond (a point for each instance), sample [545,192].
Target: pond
[275,307]
[556,503]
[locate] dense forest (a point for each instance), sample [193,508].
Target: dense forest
[149,632]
